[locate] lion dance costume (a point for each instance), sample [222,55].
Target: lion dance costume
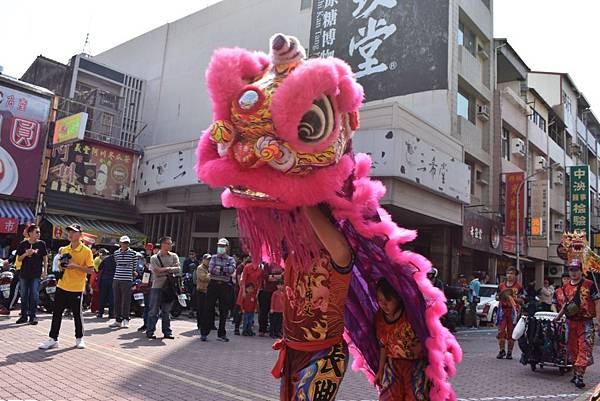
[281,140]
[577,247]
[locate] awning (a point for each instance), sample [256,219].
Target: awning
[521,258]
[108,232]
[18,210]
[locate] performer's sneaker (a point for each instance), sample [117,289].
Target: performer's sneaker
[22,319]
[509,355]
[579,382]
[224,339]
[501,355]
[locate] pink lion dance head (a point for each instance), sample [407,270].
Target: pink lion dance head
[281,139]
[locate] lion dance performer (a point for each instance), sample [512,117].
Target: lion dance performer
[280,143]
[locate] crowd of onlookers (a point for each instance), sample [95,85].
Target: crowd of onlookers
[94,278]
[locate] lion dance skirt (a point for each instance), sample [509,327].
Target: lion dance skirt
[314,376]
[404,380]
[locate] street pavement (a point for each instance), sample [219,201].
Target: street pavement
[123,365]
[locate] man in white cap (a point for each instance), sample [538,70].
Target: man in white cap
[221,268]
[126,262]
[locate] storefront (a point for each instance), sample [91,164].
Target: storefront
[97,232]
[481,245]
[14,217]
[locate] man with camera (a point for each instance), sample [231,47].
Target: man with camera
[163,293]
[76,262]
[581,303]
[33,256]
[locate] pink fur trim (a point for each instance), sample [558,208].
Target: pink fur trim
[443,349]
[228,72]
[302,87]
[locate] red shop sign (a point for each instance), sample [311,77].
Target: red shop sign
[8,225]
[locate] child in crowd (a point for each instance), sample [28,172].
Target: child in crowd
[277,305]
[402,362]
[248,309]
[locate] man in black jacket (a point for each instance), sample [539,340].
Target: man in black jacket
[106,271]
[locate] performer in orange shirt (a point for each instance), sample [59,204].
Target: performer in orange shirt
[509,295]
[402,362]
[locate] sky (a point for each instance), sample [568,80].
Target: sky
[549,35]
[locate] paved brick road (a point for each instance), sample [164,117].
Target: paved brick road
[123,365]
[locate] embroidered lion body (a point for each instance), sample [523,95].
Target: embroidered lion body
[281,139]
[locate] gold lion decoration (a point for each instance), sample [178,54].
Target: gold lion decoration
[577,248]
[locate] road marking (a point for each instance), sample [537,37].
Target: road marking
[122,356]
[523,397]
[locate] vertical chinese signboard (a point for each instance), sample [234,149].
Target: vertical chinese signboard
[580,199]
[395,47]
[86,168]
[513,182]
[539,213]
[23,128]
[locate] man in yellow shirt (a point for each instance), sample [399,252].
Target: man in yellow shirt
[71,285]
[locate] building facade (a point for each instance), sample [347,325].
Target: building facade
[542,133]
[92,181]
[439,105]
[25,114]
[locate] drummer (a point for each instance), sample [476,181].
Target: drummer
[558,300]
[509,295]
[581,305]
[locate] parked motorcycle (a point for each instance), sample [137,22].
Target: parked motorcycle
[6,279]
[47,293]
[183,299]
[454,303]
[137,297]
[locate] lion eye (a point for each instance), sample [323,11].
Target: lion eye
[249,99]
[318,122]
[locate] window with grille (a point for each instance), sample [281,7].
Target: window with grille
[106,123]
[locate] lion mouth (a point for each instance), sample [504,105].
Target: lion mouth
[247,193]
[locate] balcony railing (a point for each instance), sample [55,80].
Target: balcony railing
[581,129]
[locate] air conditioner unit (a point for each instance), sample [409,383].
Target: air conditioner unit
[483,112]
[517,147]
[555,271]
[559,226]
[575,149]
[558,177]
[540,163]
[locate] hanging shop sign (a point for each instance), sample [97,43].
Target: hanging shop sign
[91,169]
[580,199]
[23,129]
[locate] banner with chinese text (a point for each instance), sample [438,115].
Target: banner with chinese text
[580,199]
[539,213]
[395,47]
[23,129]
[513,182]
[88,168]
